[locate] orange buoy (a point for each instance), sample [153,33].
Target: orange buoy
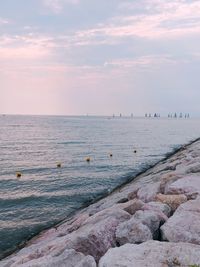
[18,174]
[59,165]
[88,159]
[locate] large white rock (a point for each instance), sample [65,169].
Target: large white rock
[152,254]
[69,258]
[188,185]
[184,225]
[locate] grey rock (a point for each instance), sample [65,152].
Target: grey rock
[188,185]
[194,168]
[166,180]
[158,206]
[95,236]
[148,193]
[133,232]
[143,226]
[69,258]
[133,194]
[152,219]
[131,206]
[152,254]
[184,225]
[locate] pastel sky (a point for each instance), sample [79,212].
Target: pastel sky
[102,57]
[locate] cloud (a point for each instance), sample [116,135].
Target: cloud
[56,6]
[25,47]
[156,20]
[3,21]
[149,62]
[28,52]
[137,51]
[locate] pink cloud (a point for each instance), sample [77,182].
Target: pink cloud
[28,52]
[149,62]
[25,47]
[164,20]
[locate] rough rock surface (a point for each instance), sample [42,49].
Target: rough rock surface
[166,180]
[152,219]
[148,192]
[172,200]
[143,226]
[69,258]
[157,206]
[133,194]
[97,234]
[184,225]
[188,185]
[94,237]
[131,206]
[133,232]
[152,254]
[193,168]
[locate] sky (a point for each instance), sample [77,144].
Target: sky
[77,57]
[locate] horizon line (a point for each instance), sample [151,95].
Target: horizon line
[113,115]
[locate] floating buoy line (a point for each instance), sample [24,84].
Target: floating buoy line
[59,164]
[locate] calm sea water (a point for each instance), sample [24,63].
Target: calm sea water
[46,194]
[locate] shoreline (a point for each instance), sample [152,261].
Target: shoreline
[119,197]
[75,213]
[78,211]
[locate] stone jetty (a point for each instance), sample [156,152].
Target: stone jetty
[152,221]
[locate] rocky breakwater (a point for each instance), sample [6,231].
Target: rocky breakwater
[152,221]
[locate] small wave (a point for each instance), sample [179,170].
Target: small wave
[14,197]
[31,171]
[153,156]
[72,143]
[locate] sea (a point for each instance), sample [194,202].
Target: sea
[46,194]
